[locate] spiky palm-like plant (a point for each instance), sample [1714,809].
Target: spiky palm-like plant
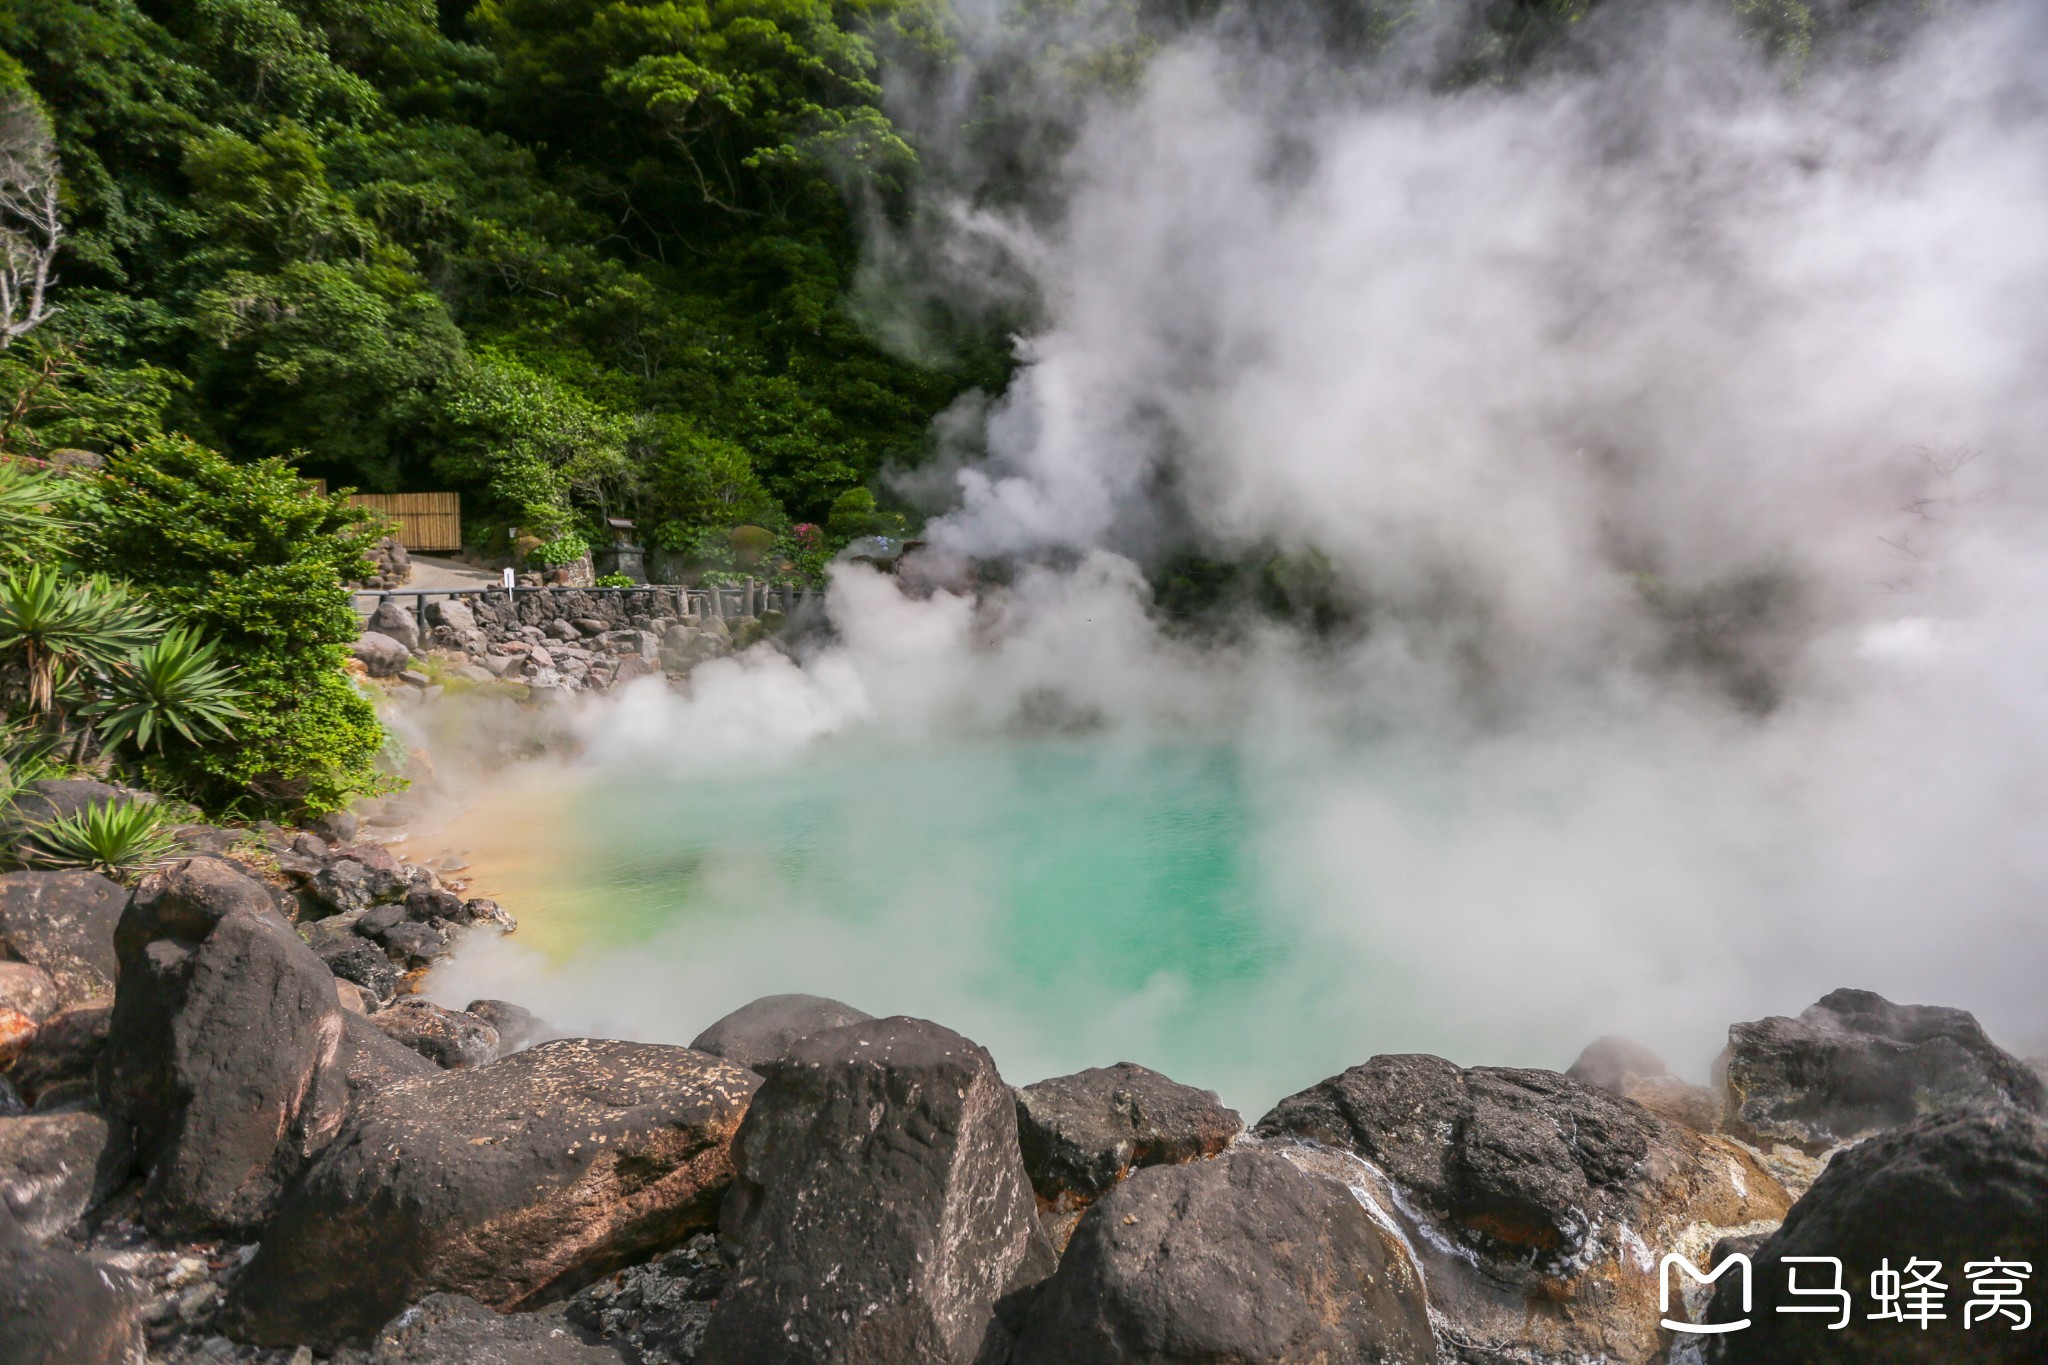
[59,621]
[114,838]
[174,684]
[29,498]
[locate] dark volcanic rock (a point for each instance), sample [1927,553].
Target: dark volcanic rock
[761,1031]
[54,1168]
[1083,1133]
[355,958]
[1856,1064]
[660,1309]
[64,923]
[517,1027]
[1960,1189]
[416,945]
[58,1308]
[222,1053]
[356,878]
[882,1211]
[374,1060]
[1633,1072]
[512,1183]
[428,904]
[445,1037]
[65,1050]
[28,996]
[1536,1195]
[1241,1259]
[448,1329]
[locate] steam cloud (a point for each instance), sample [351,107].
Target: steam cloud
[1670,431]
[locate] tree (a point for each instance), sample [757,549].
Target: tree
[31,228]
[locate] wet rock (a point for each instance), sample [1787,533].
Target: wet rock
[1854,1064]
[449,1329]
[222,1052]
[1632,1071]
[1958,1188]
[882,1211]
[55,1168]
[1241,1259]
[512,1183]
[1082,1133]
[395,621]
[445,1037]
[763,1030]
[59,1308]
[1533,1202]
[658,1310]
[380,655]
[63,922]
[64,1051]
[517,1027]
[489,913]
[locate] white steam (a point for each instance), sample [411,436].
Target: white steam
[1514,362]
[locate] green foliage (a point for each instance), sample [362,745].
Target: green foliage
[174,684]
[114,838]
[59,623]
[32,523]
[562,550]
[249,555]
[614,580]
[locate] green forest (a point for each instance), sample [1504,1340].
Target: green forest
[571,259]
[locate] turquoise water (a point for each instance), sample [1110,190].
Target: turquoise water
[1066,902]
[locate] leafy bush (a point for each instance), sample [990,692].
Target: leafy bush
[614,580]
[115,838]
[250,555]
[563,549]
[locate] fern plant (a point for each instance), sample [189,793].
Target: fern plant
[114,838]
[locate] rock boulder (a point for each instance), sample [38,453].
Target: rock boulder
[761,1031]
[1855,1064]
[1961,1189]
[1082,1133]
[512,1183]
[380,655]
[445,1037]
[1531,1200]
[395,621]
[1242,1259]
[223,1054]
[59,1308]
[63,922]
[54,1168]
[882,1211]
[1633,1072]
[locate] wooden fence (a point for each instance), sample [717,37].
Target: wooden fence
[426,521]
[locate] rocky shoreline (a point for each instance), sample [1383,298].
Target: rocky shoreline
[230,1132]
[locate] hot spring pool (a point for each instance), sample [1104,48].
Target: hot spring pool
[1245,921]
